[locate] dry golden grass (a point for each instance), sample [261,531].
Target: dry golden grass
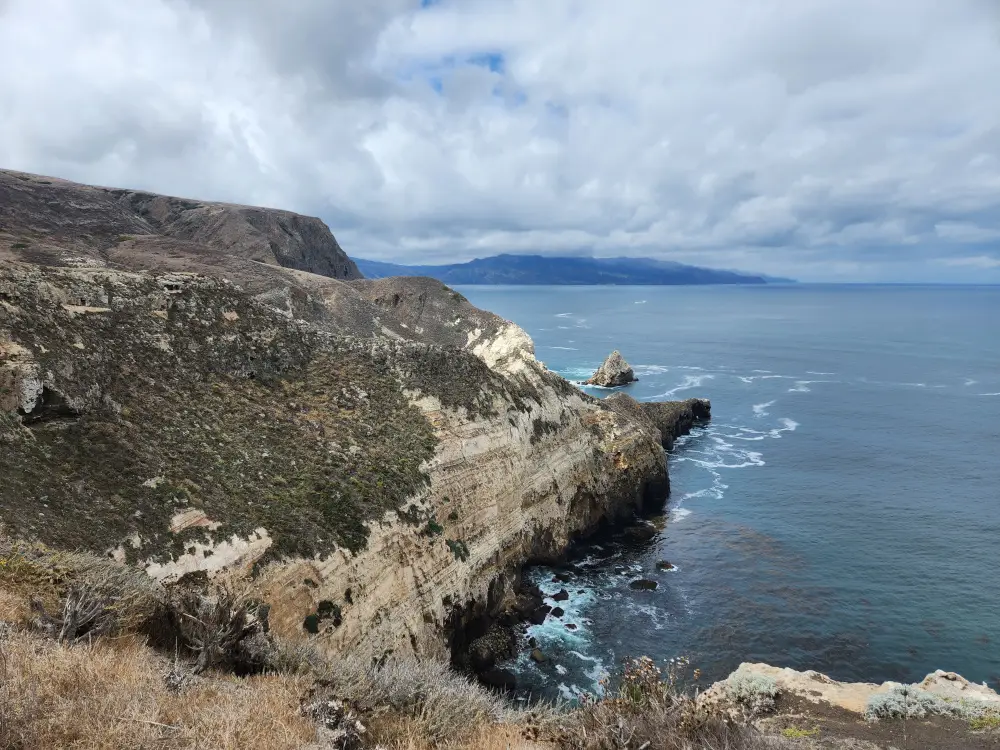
[14,606]
[410,734]
[113,695]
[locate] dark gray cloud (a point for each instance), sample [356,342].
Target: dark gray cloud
[828,139]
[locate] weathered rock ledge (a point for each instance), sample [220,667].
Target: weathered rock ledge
[671,418]
[676,418]
[815,687]
[810,710]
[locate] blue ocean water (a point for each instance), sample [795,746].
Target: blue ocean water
[840,513]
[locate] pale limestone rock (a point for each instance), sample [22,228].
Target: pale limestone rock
[853,696]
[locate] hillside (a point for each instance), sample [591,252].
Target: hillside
[187,405]
[537,269]
[56,222]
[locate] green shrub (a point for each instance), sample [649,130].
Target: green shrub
[987,721]
[459,549]
[909,702]
[794,733]
[649,709]
[754,692]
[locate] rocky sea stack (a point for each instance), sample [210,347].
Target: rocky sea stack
[614,372]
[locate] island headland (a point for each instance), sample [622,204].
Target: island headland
[217,437]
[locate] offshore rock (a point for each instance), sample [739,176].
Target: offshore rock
[643,584]
[614,372]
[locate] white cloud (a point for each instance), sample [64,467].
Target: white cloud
[824,138]
[977,261]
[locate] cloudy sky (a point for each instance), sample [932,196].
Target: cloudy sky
[823,139]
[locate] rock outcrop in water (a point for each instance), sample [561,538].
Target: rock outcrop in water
[671,418]
[381,449]
[613,372]
[676,418]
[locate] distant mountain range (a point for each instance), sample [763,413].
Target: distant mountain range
[538,269]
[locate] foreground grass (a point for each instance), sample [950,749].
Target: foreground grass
[78,670]
[113,694]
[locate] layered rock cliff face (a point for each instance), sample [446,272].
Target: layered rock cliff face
[384,455]
[176,422]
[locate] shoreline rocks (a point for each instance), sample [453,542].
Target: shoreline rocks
[672,418]
[676,418]
[615,371]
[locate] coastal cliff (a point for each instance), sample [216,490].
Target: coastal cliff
[381,449]
[179,424]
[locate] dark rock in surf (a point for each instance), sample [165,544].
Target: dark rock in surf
[643,584]
[499,679]
[641,532]
[561,595]
[538,616]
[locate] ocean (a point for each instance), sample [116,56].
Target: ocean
[840,513]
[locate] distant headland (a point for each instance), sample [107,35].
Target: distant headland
[541,269]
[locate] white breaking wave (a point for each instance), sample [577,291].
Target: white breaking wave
[760,410]
[802,386]
[813,372]
[751,378]
[564,348]
[651,369]
[679,514]
[970,381]
[689,382]
[639,302]
[989,394]
[790,425]
[564,315]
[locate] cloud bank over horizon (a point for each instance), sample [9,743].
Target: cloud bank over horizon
[839,140]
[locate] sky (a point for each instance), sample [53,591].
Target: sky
[828,140]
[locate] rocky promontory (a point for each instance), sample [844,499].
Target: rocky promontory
[176,399]
[676,418]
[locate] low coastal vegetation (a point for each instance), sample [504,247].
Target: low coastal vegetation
[909,702]
[95,655]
